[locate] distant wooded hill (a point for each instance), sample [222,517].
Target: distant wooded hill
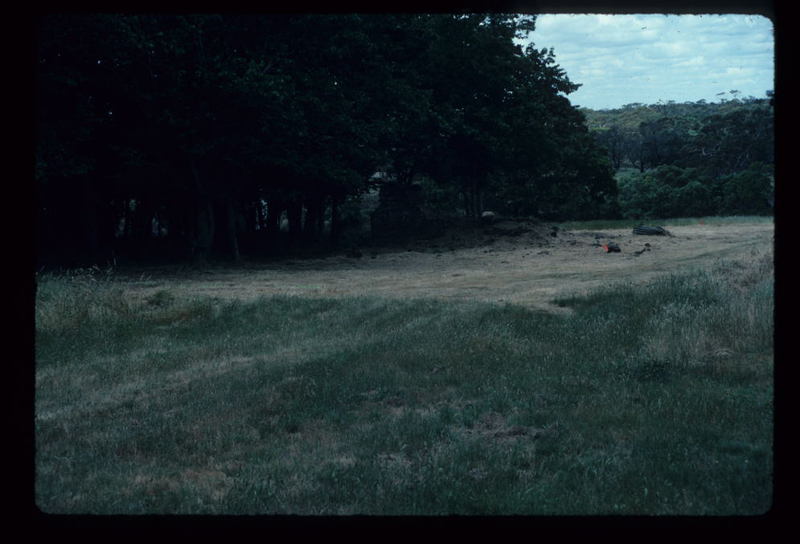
[692,158]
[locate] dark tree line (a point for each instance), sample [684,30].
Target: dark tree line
[195,135]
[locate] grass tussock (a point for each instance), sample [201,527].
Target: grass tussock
[67,301]
[645,400]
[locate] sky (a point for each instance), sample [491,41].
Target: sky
[622,59]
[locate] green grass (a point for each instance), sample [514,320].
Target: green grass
[646,400]
[669,222]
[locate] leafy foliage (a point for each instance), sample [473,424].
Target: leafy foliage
[671,191]
[210,135]
[200,133]
[692,158]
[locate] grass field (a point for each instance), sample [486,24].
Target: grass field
[648,399]
[671,222]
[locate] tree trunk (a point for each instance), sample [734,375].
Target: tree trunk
[294,213]
[261,222]
[233,242]
[473,202]
[314,221]
[106,229]
[408,176]
[335,219]
[275,208]
[89,220]
[142,222]
[181,229]
[204,235]
[204,238]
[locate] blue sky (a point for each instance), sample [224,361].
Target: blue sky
[621,59]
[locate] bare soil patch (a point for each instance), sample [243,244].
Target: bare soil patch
[516,262]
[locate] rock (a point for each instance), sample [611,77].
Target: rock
[651,231]
[489,217]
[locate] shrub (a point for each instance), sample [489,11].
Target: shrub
[68,301]
[695,199]
[748,192]
[667,191]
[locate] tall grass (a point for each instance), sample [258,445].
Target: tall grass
[647,400]
[666,222]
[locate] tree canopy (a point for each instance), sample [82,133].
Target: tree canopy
[694,158]
[196,135]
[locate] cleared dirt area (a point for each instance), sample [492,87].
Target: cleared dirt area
[517,262]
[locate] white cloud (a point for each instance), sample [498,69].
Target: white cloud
[621,59]
[692,62]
